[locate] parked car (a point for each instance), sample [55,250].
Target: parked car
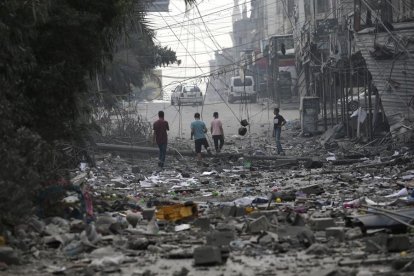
[355,101]
[187,94]
[242,89]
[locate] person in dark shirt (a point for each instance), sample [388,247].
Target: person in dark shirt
[160,137]
[278,122]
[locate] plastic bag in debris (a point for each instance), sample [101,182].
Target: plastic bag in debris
[400,193]
[249,200]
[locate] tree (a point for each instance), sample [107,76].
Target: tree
[50,52]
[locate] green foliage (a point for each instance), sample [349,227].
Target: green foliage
[134,60]
[51,50]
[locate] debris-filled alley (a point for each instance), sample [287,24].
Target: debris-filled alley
[206,137]
[338,209]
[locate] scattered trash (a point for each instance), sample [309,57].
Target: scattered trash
[401,193]
[244,205]
[182,227]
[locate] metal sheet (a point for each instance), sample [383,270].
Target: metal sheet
[394,78]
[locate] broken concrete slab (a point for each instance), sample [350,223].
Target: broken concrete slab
[337,233]
[202,223]
[313,164]
[258,225]
[148,213]
[376,243]
[318,249]
[398,243]
[207,255]
[320,224]
[304,235]
[220,238]
[8,255]
[315,189]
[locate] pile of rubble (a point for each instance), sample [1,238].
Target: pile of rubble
[346,211]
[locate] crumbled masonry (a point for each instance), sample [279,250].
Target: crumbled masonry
[226,218]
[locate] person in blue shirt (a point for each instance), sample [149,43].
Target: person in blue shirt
[198,131]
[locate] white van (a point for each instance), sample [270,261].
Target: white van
[242,89]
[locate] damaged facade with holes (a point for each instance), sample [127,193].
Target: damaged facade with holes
[356,57]
[252,32]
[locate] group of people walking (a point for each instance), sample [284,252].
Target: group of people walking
[198,133]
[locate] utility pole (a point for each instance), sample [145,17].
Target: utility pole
[274,59]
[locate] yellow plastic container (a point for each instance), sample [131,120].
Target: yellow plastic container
[176,212]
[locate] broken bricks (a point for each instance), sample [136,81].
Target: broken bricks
[249,234]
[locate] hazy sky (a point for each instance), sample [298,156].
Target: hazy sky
[193,40]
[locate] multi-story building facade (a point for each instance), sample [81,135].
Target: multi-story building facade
[355,55]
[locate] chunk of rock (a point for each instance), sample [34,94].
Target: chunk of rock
[8,255]
[320,224]
[259,225]
[318,249]
[397,243]
[306,237]
[220,238]
[337,233]
[207,255]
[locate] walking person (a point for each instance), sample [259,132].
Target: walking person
[198,131]
[160,137]
[278,122]
[217,132]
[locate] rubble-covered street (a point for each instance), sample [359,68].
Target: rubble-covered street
[207,137]
[338,210]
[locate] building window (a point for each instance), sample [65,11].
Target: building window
[240,40]
[322,6]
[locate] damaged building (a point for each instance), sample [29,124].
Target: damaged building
[354,56]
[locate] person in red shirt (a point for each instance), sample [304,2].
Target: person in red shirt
[160,137]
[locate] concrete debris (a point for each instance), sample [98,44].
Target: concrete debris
[231,215]
[258,225]
[318,249]
[220,238]
[320,224]
[398,243]
[337,233]
[207,255]
[8,255]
